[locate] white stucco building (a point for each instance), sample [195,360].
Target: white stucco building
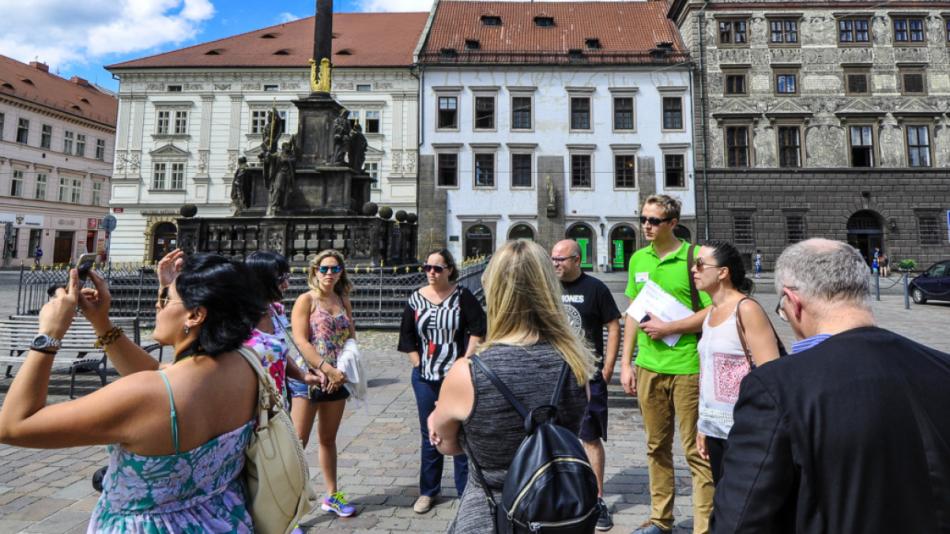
[186,116]
[546,120]
[56,147]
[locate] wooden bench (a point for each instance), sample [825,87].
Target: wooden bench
[78,350]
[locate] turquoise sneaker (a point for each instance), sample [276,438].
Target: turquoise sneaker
[337,504]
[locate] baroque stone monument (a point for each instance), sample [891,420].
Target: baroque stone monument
[311,192]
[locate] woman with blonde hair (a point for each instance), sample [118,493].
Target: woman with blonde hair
[528,341]
[322,321]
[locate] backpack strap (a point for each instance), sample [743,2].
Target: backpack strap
[561,380]
[693,292]
[502,388]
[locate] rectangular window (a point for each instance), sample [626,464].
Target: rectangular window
[623,113]
[854,31]
[159,170]
[448,112]
[373,122]
[181,122]
[23,131]
[789,146]
[178,176]
[580,113]
[258,120]
[163,121]
[484,112]
[737,146]
[913,81]
[521,170]
[918,146]
[63,194]
[372,169]
[96,193]
[68,138]
[16,184]
[672,113]
[580,171]
[862,146]
[39,192]
[734,83]
[15,239]
[625,171]
[484,170]
[857,82]
[2,121]
[36,238]
[908,30]
[521,113]
[81,145]
[929,229]
[269,88]
[674,166]
[783,31]
[786,82]
[448,170]
[795,228]
[46,137]
[76,190]
[100,149]
[733,32]
[743,234]
[364,87]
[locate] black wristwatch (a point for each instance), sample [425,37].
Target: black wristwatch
[46,344]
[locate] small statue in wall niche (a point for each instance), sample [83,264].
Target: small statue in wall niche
[552,197]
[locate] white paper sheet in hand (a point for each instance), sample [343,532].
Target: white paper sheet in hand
[660,304]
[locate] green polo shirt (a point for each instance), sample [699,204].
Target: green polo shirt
[672,274]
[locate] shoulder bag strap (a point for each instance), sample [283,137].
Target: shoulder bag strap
[693,292]
[268,397]
[741,329]
[501,387]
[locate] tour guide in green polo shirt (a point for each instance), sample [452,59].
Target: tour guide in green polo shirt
[666,378]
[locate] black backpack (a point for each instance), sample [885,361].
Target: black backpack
[550,486]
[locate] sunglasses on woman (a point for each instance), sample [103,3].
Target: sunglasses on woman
[335,269]
[701,264]
[164,299]
[437,269]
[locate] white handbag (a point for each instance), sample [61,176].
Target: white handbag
[275,470]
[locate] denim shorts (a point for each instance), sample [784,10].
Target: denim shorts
[303,391]
[594,422]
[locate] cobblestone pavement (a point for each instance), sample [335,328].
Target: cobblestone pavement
[50,492]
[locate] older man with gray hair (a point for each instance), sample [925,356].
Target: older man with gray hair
[850,433]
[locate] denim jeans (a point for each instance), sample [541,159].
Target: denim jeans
[430,473]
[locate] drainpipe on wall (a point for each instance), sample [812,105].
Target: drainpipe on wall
[702,104]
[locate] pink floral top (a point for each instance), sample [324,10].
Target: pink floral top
[328,333]
[272,348]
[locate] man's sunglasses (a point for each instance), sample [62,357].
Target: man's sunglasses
[654,221]
[437,269]
[335,269]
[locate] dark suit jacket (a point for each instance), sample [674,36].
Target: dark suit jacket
[851,436]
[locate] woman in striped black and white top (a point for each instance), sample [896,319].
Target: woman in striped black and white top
[442,322]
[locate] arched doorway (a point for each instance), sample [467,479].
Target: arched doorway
[623,243]
[584,235]
[164,239]
[521,231]
[683,233]
[479,241]
[866,232]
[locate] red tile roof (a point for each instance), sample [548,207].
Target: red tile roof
[361,40]
[78,97]
[628,32]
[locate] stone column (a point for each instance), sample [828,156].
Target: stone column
[433,205]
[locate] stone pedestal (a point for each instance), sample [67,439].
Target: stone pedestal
[315,129]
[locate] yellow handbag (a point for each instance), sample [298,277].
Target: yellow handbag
[275,470]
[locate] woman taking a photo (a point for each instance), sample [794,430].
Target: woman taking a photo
[178,435]
[322,323]
[737,335]
[529,340]
[442,322]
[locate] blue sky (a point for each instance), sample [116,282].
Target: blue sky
[79,37]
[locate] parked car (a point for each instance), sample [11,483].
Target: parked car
[932,284]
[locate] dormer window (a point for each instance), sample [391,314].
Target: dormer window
[472,44]
[592,43]
[282,52]
[543,21]
[269,36]
[575,53]
[449,53]
[7,85]
[215,52]
[491,20]
[345,52]
[27,81]
[85,100]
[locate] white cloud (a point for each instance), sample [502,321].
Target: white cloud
[64,32]
[395,5]
[287,16]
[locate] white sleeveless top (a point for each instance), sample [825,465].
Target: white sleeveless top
[722,366]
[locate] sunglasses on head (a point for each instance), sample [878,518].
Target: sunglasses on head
[335,269]
[654,221]
[437,269]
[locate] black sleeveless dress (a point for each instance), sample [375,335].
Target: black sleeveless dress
[494,429]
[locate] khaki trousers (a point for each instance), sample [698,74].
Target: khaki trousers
[663,399]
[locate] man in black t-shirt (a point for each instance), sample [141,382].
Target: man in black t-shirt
[590,306]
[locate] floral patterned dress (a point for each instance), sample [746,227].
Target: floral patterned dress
[272,348]
[196,491]
[328,334]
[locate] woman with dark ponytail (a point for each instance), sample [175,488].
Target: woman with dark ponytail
[737,336]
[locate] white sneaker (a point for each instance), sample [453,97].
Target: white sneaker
[423,504]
